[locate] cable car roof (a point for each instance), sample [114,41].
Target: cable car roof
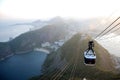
[89,54]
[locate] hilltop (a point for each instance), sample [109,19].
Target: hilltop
[68,62]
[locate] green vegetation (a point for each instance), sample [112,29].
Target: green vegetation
[4,48]
[72,52]
[32,39]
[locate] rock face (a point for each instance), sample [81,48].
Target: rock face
[73,67]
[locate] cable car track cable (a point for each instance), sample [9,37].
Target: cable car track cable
[111,29]
[107,27]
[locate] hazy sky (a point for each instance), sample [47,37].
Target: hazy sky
[44,9]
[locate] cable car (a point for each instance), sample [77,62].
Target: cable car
[89,55]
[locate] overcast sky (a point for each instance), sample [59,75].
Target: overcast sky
[44,9]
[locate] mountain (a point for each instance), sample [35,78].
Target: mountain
[68,62]
[46,31]
[29,40]
[12,28]
[38,24]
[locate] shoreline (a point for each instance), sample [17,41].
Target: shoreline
[3,58]
[42,50]
[12,54]
[22,52]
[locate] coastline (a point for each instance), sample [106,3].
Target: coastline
[7,57]
[22,52]
[12,54]
[42,50]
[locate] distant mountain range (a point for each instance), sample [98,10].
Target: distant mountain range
[90,25]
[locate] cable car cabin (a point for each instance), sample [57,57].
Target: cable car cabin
[89,57]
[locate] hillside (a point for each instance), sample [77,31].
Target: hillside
[68,63]
[29,40]
[46,31]
[4,49]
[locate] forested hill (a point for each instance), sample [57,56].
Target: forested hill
[32,39]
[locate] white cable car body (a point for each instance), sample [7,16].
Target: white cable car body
[89,57]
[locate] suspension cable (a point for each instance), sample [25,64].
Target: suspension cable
[111,29]
[107,27]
